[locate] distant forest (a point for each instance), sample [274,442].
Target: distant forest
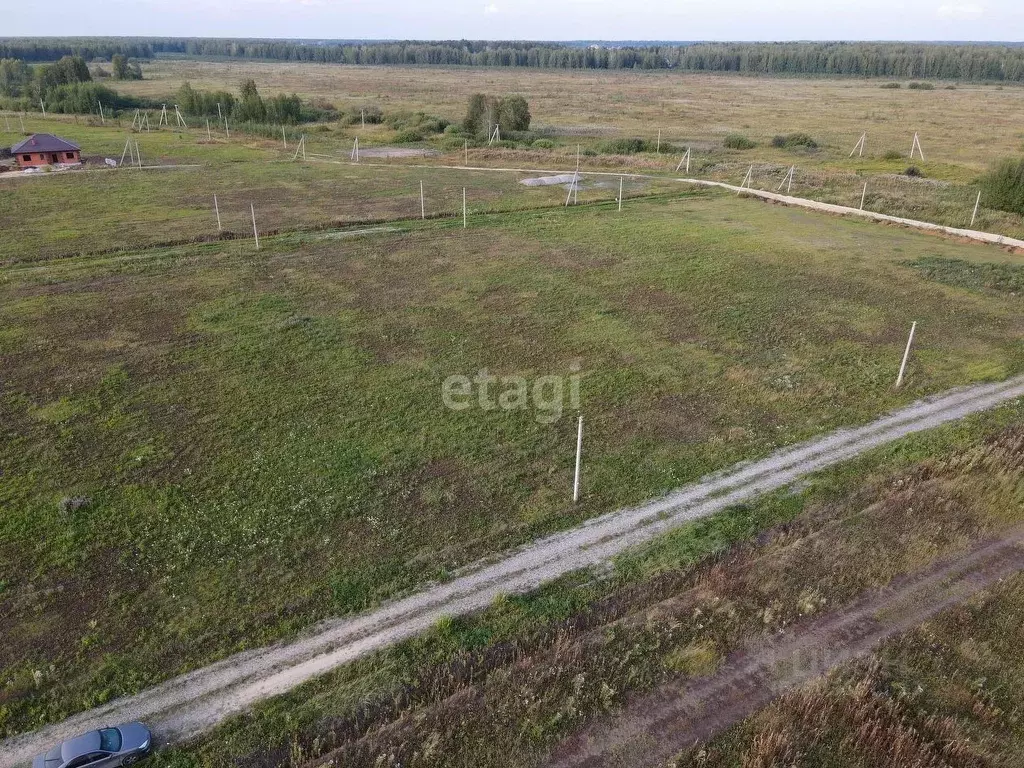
[954,61]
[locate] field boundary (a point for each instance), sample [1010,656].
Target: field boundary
[195,702]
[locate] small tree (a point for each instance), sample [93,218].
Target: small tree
[1003,187]
[514,114]
[481,107]
[119,66]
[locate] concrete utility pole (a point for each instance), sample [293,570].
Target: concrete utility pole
[906,356]
[579,458]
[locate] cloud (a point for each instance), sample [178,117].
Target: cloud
[959,11]
[492,8]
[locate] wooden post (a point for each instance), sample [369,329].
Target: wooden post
[977,203]
[464,220]
[423,204]
[124,151]
[255,233]
[579,457]
[138,153]
[102,121]
[906,356]
[216,209]
[620,193]
[284,139]
[209,136]
[863,195]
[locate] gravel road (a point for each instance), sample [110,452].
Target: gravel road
[193,703]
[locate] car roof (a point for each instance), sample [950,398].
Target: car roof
[80,745]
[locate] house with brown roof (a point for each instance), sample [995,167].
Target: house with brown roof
[42,149]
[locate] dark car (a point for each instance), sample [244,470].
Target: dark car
[105,748]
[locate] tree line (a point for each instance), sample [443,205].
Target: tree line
[66,86]
[890,60]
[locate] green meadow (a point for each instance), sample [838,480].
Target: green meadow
[208,447]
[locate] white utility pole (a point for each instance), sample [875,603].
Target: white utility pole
[620,193]
[255,233]
[464,220]
[977,203]
[216,209]
[906,356]
[423,204]
[209,136]
[685,159]
[859,146]
[42,107]
[284,138]
[579,458]
[863,195]
[102,121]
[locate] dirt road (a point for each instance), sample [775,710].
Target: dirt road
[197,701]
[656,726]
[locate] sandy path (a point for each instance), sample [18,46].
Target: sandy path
[656,726]
[192,703]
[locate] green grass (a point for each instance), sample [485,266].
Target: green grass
[262,439]
[1001,278]
[547,663]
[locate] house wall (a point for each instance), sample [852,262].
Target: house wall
[40,159]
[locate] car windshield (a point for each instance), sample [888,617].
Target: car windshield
[110,739]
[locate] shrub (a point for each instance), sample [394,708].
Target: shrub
[543,144]
[915,86]
[408,136]
[631,146]
[794,141]
[736,141]
[913,171]
[893,86]
[892,154]
[1003,186]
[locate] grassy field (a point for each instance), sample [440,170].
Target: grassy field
[500,689]
[259,438]
[689,109]
[944,694]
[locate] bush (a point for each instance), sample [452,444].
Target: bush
[921,86]
[1003,186]
[892,154]
[893,86]
[543,144]
[794,141]
[914,172]
[630,146]
[408,136]
[735,141]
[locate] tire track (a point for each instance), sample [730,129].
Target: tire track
[656,726]
[195,702]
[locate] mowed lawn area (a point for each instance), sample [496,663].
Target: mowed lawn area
[205,448]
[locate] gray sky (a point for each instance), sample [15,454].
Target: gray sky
[529,19]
